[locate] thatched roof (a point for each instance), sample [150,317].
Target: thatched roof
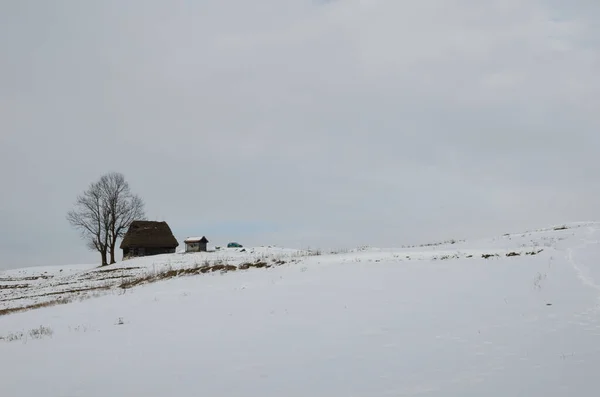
[149,234]
[202,239]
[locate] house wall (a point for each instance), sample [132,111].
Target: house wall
[195,247]
[158,251]
[143,251]
[192,247]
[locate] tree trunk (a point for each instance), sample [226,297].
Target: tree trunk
[103,254]
[112,253]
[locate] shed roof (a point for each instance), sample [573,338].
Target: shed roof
[196,240]
[149,234]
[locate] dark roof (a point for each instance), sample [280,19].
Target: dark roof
[149,234]
[196,240]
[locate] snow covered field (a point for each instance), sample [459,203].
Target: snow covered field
[40,286]
[516,315]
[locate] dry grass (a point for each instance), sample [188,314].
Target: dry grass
[70,291]
[127,281]
[39,333]
[487,256]
[30,278]
[55,302]
[257,265]
[35,333]
[115,269]
[74,294]
[446,257]
[14,286]
[533,252]
[123,276]
[171,273]
[207,267]
[510,254]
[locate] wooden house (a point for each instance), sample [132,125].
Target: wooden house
[145,238]
[195,244]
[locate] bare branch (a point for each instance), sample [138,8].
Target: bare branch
[104,212]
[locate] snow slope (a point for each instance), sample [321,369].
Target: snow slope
[30,287]
[437,321]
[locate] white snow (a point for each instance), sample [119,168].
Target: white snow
[193,239]
[437,321]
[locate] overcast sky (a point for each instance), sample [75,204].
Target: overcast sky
[300,123]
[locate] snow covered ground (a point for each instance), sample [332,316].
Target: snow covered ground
[516,315]
[39,286]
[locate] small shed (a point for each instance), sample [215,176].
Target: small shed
[195,244]
[144,238]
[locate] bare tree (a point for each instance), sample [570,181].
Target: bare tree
[104,212]
[124,208]
[90,216]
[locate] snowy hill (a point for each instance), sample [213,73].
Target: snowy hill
[516,315]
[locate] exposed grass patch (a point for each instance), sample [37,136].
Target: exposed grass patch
[339,251]
[61,284]
[171,273]
[76,295]
[115,270]
[29,278]
[487,256]
[14,286]
[509,254]
[446,257]
[55,302]
[257,265]
[13,336]
[114,277]
[71,291]
[207,267]
[533,252]
[40,332]
[35,333]
[129,281]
